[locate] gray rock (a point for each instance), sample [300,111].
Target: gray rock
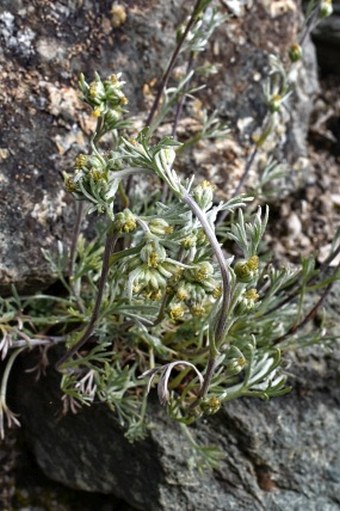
[281,454]
[327,39]
[45,45]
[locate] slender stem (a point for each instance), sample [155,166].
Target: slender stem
[212,362]
[246,171]
[6,374]
[180,104]
[242,180]
[296,291]
[111,240]
[221,324]
[38,342]
[76,232]
[310,24]
[80,211]
[73,256]
[171,64]
[178,114]
[308,317]
[222,320]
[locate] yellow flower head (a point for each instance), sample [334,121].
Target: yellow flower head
[176,312]
[253,263]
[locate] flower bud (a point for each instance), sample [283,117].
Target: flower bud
[204,194]
[295,53]
[189,241]
[253,263]
[96,175]
[252,295]
[201,237]
[97,112]
[80,161]
[202,271]
[217,292]
[211,405]
[70,185]
[176,311]
[247,301]
[246,271]
[125,221]
[182,294]
[160,226]
[123,100]
[198,310]
[96,91]
[235,366]
[235,361]
[243,272]
[165,158]
[275,103]
[326,8]
[115,80]
[153,255]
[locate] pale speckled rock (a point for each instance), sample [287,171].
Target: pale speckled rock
[44,46]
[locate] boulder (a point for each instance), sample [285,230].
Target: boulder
[281,454]
[277,454]
[44,47]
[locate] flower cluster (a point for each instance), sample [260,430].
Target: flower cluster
[149,271]
[247,270]
[104,96]
[93,181]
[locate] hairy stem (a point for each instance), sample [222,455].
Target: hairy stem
[221,323]
[222,320]
[31,343]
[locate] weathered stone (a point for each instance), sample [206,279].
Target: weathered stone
[44,47]
[278,454]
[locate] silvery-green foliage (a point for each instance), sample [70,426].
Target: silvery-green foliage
[166,293]
[200,34]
